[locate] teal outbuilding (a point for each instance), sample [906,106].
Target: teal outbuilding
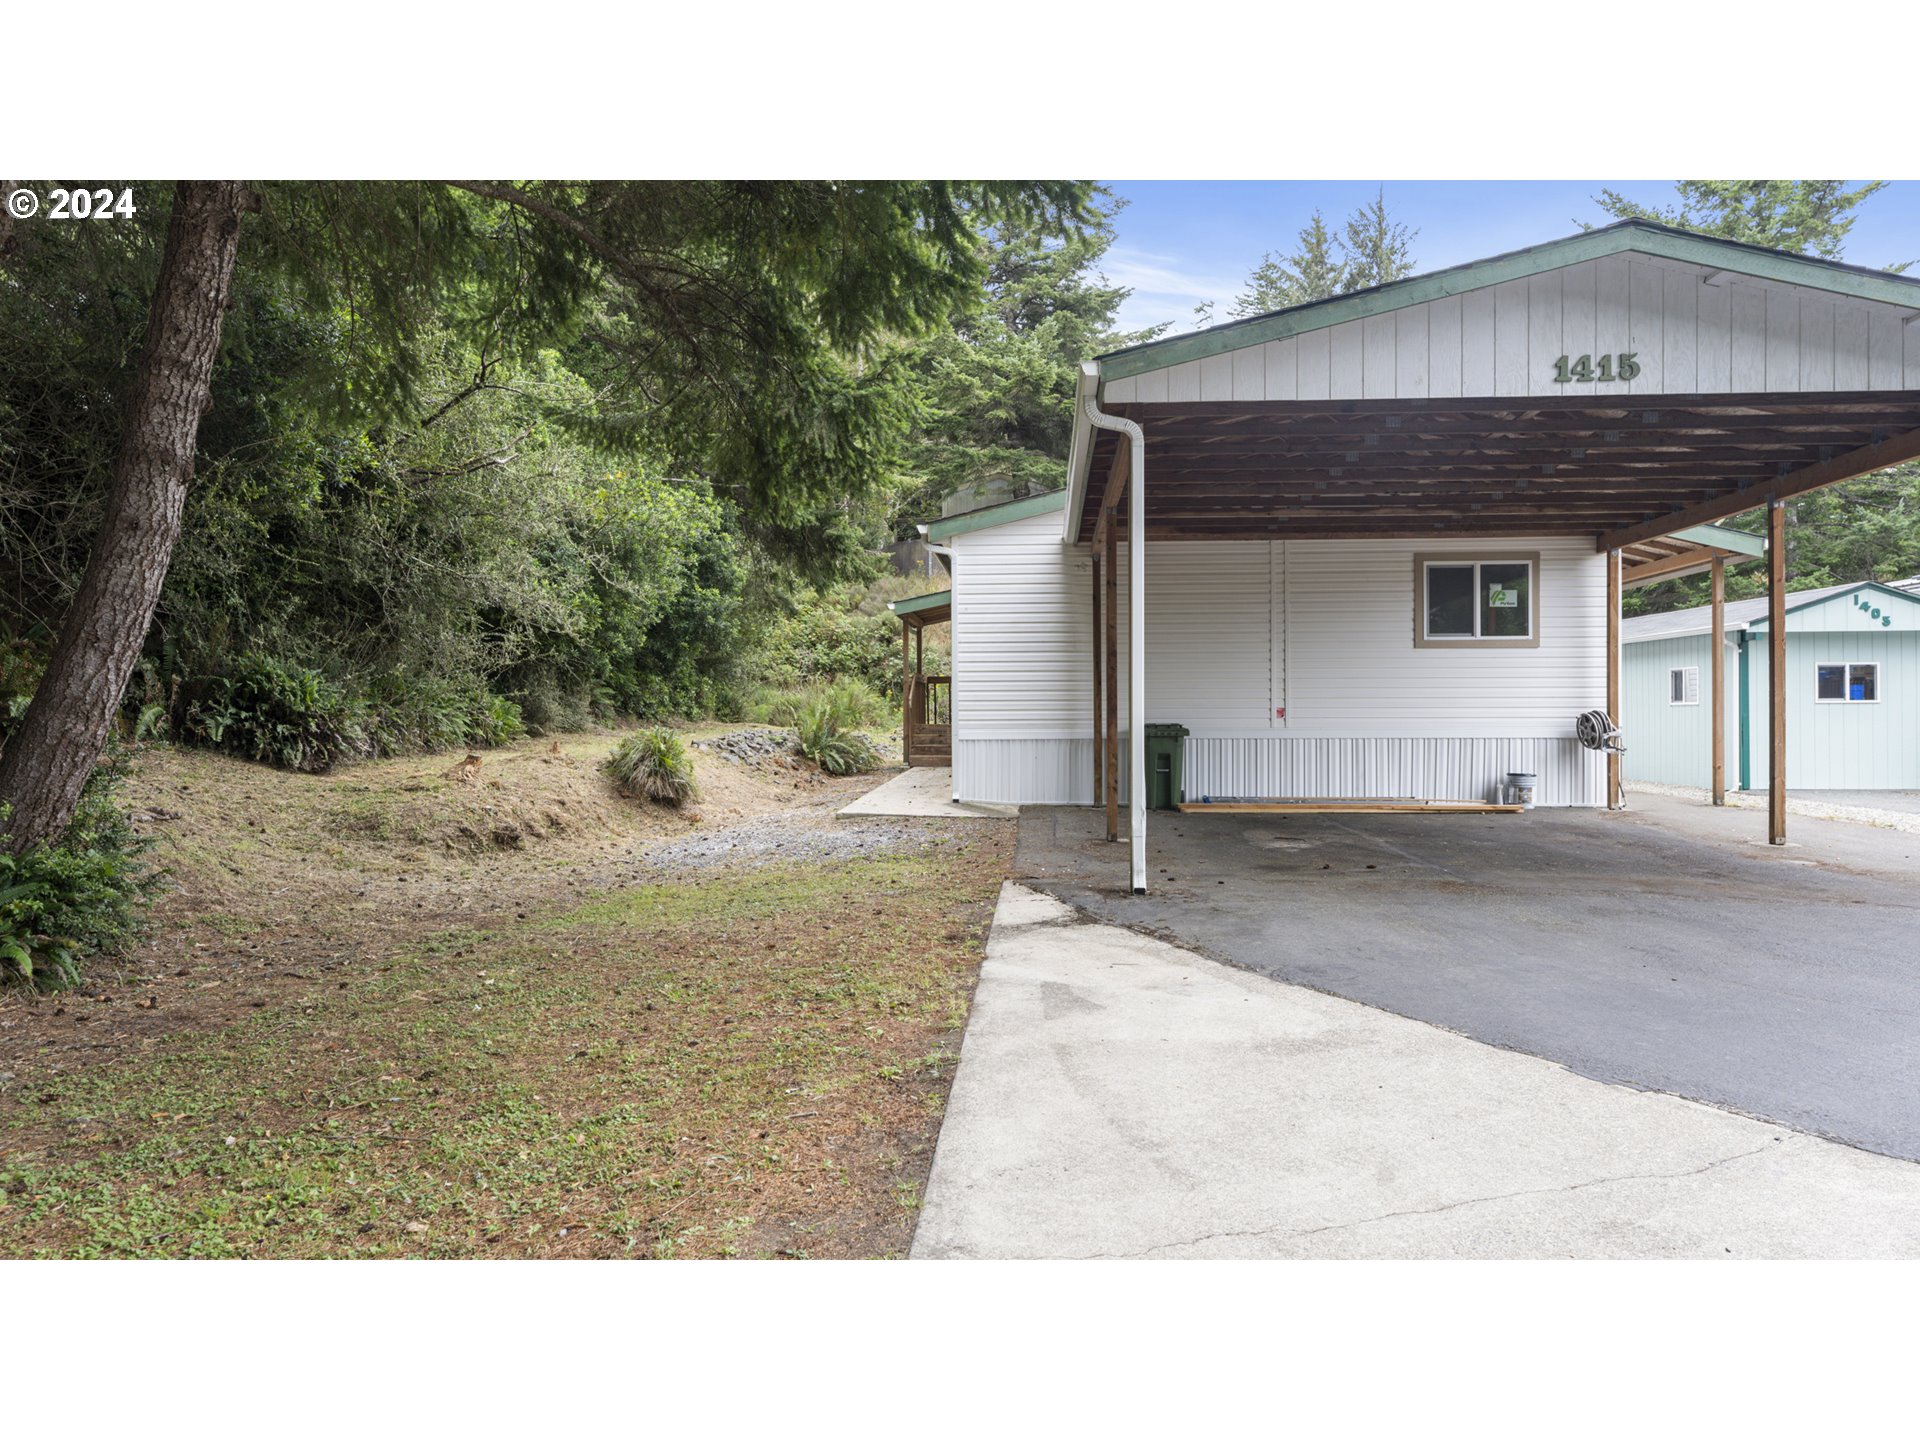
[1852,684]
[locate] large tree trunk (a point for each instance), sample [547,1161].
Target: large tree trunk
[59,740]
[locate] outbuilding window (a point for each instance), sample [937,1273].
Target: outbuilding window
[1478,601]
[1846,683]
[1683,685]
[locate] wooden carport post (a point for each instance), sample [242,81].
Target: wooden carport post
[1719,680]
[1094,653]
[1777,672]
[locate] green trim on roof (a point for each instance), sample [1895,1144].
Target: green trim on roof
[1627,235]
[1792,609]
[1720,537]
[997,515]
[913,604]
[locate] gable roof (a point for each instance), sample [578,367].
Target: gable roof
[1740,614]
[1645,237]
[948,526]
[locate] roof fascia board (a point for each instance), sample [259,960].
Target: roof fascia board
[1666,244]
[1080,457]
[913,604]
[1705,628]
[997,515]
[1721,537]
[1820,600]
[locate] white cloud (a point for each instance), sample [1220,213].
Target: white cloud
[1165,291]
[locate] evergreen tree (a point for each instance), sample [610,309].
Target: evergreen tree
[995,388]
[1372,249]
[1311,272]
[1378,251]
[1810,217]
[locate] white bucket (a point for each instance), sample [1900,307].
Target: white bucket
[1519,788]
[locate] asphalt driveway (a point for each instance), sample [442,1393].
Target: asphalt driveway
[1121,1097]
[1661,949]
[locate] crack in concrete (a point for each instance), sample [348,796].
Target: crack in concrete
[1285,1234]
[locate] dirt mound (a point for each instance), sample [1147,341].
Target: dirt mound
[228,828]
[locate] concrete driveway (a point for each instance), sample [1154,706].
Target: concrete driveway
[1662,948]
[1120,1097]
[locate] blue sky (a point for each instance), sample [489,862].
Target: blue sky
[1184,241]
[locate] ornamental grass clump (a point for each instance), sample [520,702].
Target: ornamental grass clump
[653,765]
[836,750]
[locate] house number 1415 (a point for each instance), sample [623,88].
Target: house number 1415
[1624,366]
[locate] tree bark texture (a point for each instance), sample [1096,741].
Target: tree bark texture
[49,758]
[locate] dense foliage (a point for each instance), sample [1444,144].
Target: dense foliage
[994,390]
[511,455]
[65,903]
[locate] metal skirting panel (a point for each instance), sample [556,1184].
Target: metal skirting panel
[1428,769]
[1024,772]
[1060,771]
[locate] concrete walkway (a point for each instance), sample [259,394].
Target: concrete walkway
[925,791]
[1120,1097]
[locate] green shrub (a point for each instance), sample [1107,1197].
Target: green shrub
[299,719]
[831,638]
[495,720]
[653,764]
[285,715]
[424,714]
[850,704]
[83,896]
[835,749]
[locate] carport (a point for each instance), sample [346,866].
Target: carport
[1551,392]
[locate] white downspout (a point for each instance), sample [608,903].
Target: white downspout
[1136,634]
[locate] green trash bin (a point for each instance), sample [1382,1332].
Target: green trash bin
[1165,788]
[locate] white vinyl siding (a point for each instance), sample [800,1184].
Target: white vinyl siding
[1689,337]
[1237,630]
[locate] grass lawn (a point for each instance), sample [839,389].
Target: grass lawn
[749,1061]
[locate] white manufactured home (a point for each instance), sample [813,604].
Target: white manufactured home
[1371,548]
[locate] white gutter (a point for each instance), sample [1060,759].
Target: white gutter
[1080,457]
[1136,622]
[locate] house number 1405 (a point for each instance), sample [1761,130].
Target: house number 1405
[1624,366]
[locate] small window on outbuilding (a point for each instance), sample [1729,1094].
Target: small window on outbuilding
[1842,684]
[1683,685]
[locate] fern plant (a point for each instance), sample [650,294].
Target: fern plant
[81,896]
[653,765]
